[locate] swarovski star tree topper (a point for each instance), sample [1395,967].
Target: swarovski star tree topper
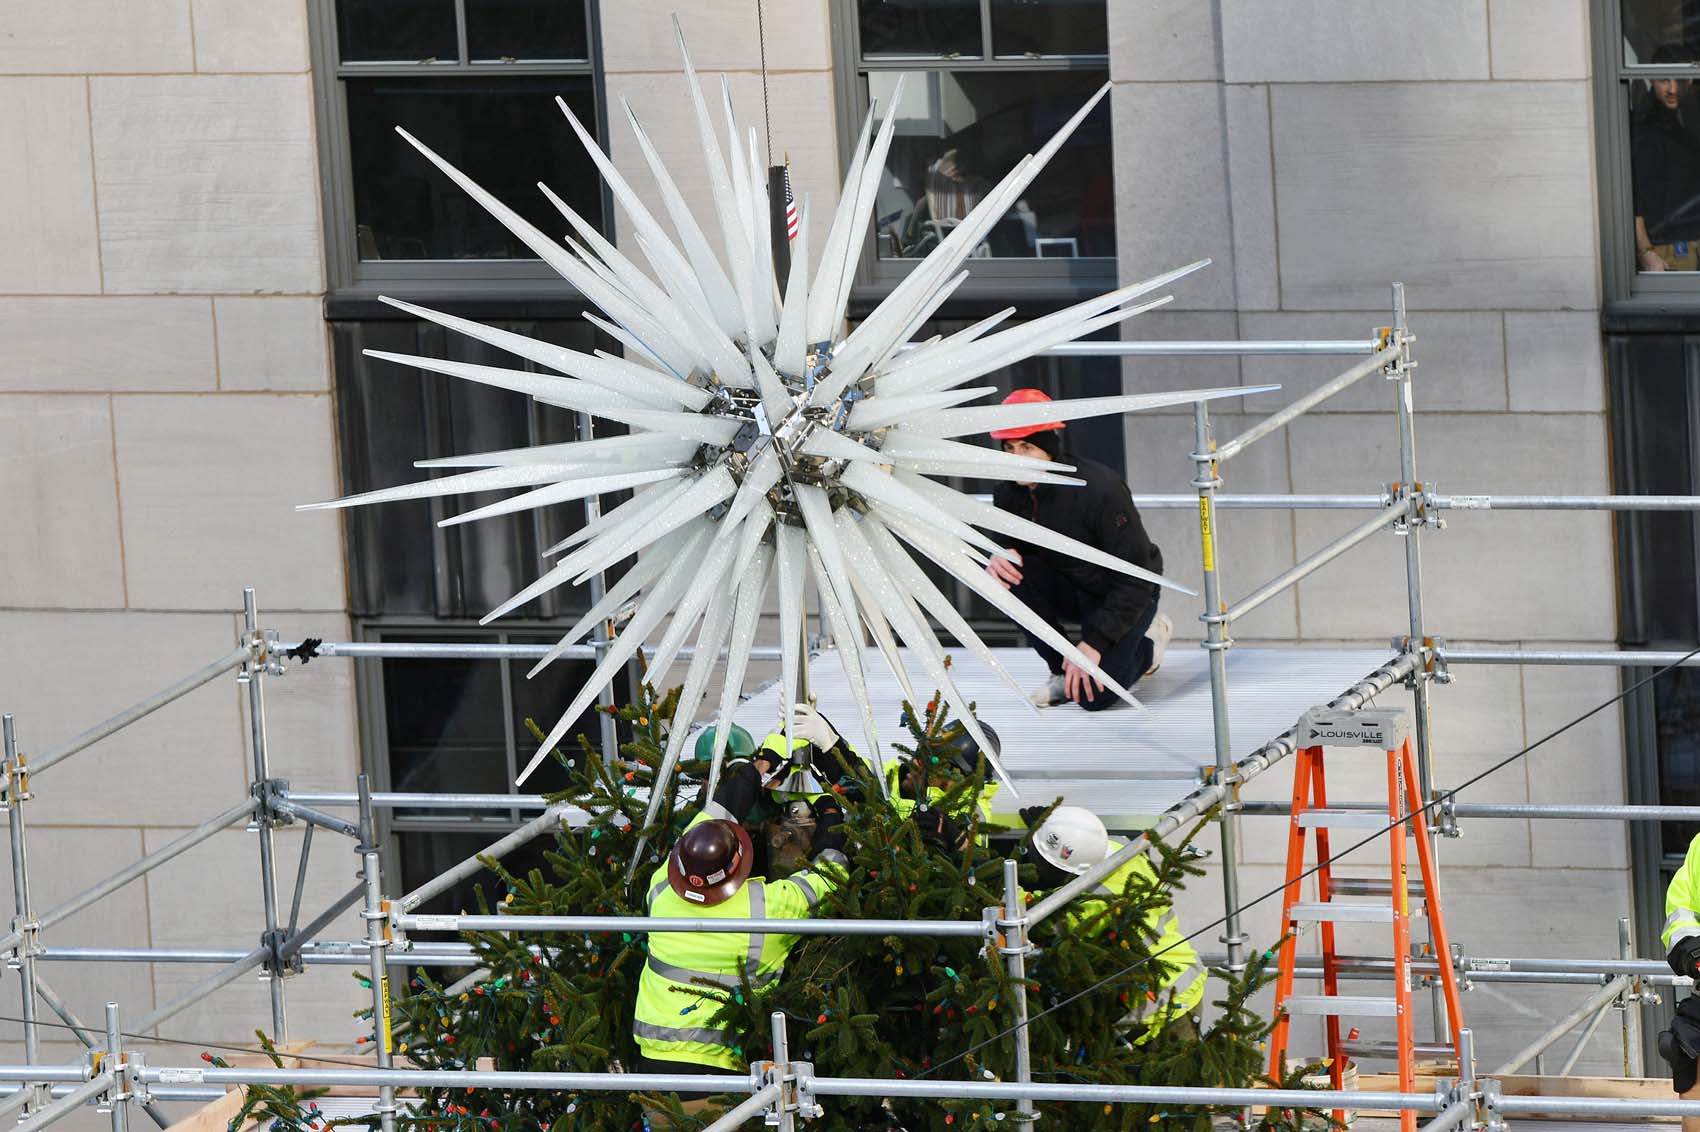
[767,447]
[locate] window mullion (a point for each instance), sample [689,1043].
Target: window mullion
[460,33]
[986,30]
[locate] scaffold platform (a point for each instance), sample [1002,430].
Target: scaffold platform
[1124,765]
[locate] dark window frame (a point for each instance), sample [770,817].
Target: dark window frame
[1623,285]
[1038,279]
[352,280]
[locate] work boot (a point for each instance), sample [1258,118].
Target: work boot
[1161,630]
[1050,692]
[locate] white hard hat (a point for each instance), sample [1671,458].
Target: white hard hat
[1072,839]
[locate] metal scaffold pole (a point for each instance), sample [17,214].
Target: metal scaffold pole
[1013,924]
[1400,369]
[24,924]
[252,674]
[377,916]
[1217,643]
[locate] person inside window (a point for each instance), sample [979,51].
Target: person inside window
[1665,154]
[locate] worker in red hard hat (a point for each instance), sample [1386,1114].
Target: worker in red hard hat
[1121,630]
[708,875]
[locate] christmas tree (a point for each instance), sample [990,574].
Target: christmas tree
[858,1006]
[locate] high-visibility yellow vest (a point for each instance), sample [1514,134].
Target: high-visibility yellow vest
[1183,982]
[671,1017]
[894,771]
[1682,899]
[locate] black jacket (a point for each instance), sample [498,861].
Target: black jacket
[1099,513]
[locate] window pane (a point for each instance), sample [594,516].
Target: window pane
[1049,27]
[959,132]
[427,854]
[1676,715]
[526,29]
[410,30]
[1664,154]
[444,720]
[1655,30]
[930,28]
[543,698]
[505,133]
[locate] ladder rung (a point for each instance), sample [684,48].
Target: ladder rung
[1334,912]
[1389,1051]
[1373,886]
[1343,819]
[1342,1004]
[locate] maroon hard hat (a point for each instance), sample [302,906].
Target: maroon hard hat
[710,862]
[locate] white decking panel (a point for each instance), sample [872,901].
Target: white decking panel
[1127,766]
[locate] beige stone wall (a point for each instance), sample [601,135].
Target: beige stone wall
[1317,152]
[164,403]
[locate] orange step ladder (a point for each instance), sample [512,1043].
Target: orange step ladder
[1390,900]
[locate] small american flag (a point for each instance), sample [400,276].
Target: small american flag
[790,204]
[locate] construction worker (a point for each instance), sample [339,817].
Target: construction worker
[1680,1045]
[1121,630]
[1070,840]
[708,875]
[740,744]
[914,786]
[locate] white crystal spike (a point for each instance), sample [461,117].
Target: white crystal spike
[792,549]
[914,580]
[560,260]
[633,449]
[970,574]
[878,487]
[716,621]
[962,422]
[752,593]
[775,399]
[790,350]
[848,646]
[621,649]
[487,479]
[632,527]
[736,240]
[713,488]
[562,493]
[712,430]
[835,249]
[623,378]
[826,304]
[563,392]
[710,572]
[881,412]
[626,587]
[879,627]
[980,514]
[763,473]
[950,342]
[716,346]
[632,510]
[762,230]
[711,277]
[823,536]
[923,645]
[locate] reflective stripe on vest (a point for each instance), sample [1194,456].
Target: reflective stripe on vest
[1686,920]
[730,982]
[656,891]
[700,1034]
[758,911]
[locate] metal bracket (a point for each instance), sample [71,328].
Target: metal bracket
[1447,805]
[272,794]
[29,943]
[1491,1120]
[277,965]
[1008,928]
[264,655]
[803,1084]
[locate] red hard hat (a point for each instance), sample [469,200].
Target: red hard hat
[1026,397]
[710,862]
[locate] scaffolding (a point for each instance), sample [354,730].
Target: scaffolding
[786,1091]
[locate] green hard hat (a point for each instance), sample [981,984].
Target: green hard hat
[739,743]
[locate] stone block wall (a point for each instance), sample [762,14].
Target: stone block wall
[1325,151]
[164,404]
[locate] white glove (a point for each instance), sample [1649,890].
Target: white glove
[809,724]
